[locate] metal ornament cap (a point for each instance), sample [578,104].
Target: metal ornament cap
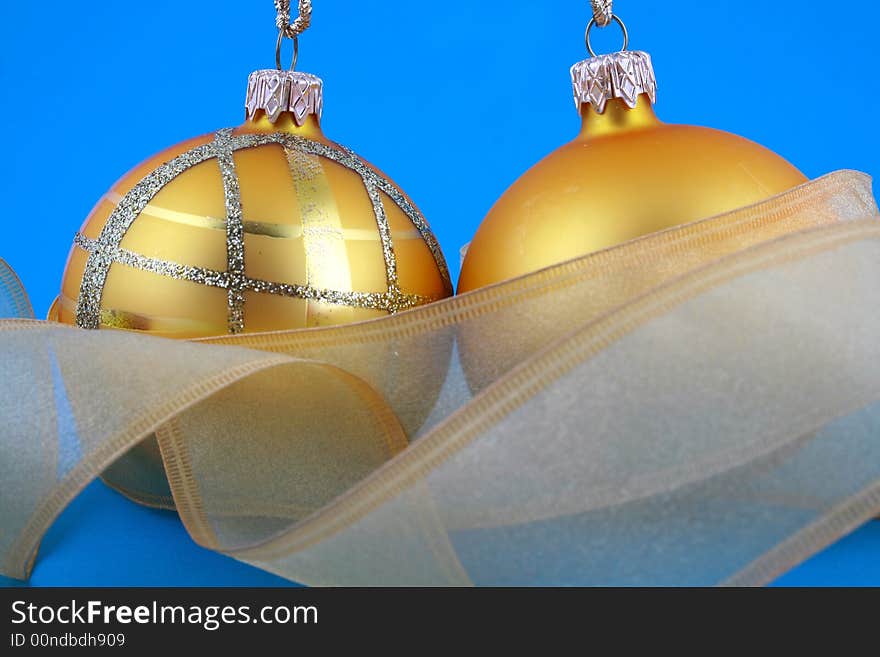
[625,75]
[275,92]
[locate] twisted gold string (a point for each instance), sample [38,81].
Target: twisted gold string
[602,12]
[300,24]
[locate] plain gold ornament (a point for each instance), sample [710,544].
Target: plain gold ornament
[625,175]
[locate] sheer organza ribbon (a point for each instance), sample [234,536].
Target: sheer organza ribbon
[700,406]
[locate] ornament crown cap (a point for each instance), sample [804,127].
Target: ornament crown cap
[625,75]
[275,92]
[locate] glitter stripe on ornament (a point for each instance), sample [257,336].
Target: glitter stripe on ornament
[391,301]
[105,251]
[384,233]
[234,230]
[286,231]
[88,307]
[200,275]
[350,160]
[323,236]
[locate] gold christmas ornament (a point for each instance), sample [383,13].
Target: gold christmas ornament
[625,175]
[263,227]
[270,225]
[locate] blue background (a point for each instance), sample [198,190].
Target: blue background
[452,100]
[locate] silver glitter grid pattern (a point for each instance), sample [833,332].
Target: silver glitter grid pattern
[105,250]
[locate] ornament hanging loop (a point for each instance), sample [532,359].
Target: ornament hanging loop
[281,36]
[603,12]
[617,20]
[289,29]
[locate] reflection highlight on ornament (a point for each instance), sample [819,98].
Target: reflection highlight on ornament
[287,231]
